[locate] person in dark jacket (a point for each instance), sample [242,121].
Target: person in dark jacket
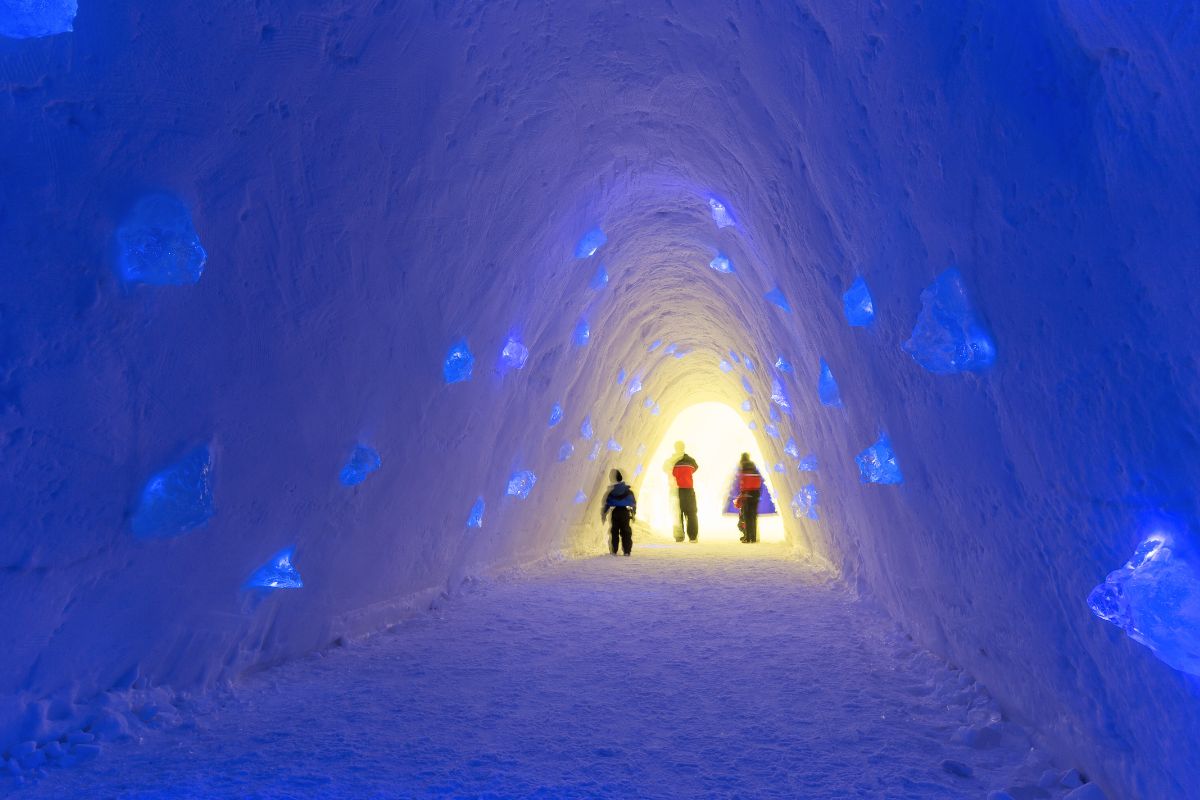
[749,490]
[623,504]
[682,472]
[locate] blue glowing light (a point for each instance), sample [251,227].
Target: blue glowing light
[877,464]
[1155,599]
[827,388]
[654,412]
[949,337]
[621,377]
[725,366]
[779,396]
[363,461]
[783,365]
[514,355]
[33,19]
[585,428]
[773,413]
[177,499]
[780,467]
[775,297]
[859,307]
[748,361]
[459,363]
[157,244]
[589,243]
[583,333]
[600,279]
[791,448]
[721,214]
[635,385]
[613,446]
[804,504]
[753,425]
[722,264]
[734,357]
[657,343]
[772,430]
[808,463]
[638,470]
[475,518]
[649,401]
[520,484]
[566,451]
[277,573]
[556,414]
[746,385]
[592,456]
[580,497]
[746,405]
[670,349]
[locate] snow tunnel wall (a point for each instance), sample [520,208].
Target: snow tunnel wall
[375,183]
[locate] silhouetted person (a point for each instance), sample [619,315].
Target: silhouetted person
[685,466]
[749,491]
[623,504]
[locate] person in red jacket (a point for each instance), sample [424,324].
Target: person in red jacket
[749,490]
[682,472]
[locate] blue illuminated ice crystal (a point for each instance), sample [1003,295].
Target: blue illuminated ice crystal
[589,243]
[775,296]
[1155,599]
[566,451]
[583,333]
[746,405]
[722,264]
[734,357]
[613,446]
[475,518]
[654,412]
[779,467]
[363,461]
[592,456]
[556,414]
[949,337]
[514,355]
[808,463]
[779,396]
[635,385]
[649,401]
[600,279]
[277,573]
[827,388]
[638,470]
[774,414]
[753,425]
[177,499]
[725,366]
[32,19]
[804,504]
[670,349]
[792,449]
[657,343]
[720,213]
[580,497]
[520,484]
[772,430]
[748,361]
[585,428]
[877,464]
[157,244]
[783,365]
[621,376]
[459,363]
[859,307]
[746,385]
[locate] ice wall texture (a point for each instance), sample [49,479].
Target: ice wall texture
[375,183]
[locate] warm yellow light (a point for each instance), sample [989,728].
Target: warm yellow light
[715,435]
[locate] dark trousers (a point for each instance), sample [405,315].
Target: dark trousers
[622,531]
[687,514]
[748,519]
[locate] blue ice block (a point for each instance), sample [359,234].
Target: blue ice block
[779,396]
[1155,599]
[792,449]
[177,499]
[771,430]
[808,463]
[592,456]
[363,461]
[635,385]
[657,343]
[589,243]
[804,504]
[877,464]
[722,264]
[566,451]
[515,354]
[520,484]
[949,336]
[746,385]
[859,307]
[725,366]
[556,414]
[748,361]
[277,573]
[614,446]
[774,413]
[580,497]
[775,296]
[600,279]
[734,357]
[33,19]
[582,334]
[585,428]
[620,376]
[459,363]
[157,244]
[783,365]
[779,467]
[475,518]
[746,406]
[827,388]
[720,212]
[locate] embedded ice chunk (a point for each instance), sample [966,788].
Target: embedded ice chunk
[681,353]
[654,412]
[589,243]
[753,425]
[459,363]
[783,365]
[657,343]
[746,385]
[514,355]
[791,448]
[649,401]
[749,362]
[779,396]
[722,264]
[585,428]
[746,405]
[772,430]
[859,307]
[827,388]
[773,412]
[583,333]
[1155,599]
[725,366]
[949,337]
[804,504]
[157,244]
[177,499]
[475,518]
[808,463]
[363,461]
[33,19]
[734,357]
[566,451]
[779,467]
[720,213]
[277,573]
[775,296]
[580,497]
[520,484]
[670,349]
[600,279]
[556,414]
[592,456]
[635,385]
[621,377]
[877,464]
[614,446]
[638,470]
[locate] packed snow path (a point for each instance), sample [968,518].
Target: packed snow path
[685,671]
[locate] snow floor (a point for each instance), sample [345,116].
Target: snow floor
[685,671]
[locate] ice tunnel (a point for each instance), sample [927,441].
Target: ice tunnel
[351,205]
